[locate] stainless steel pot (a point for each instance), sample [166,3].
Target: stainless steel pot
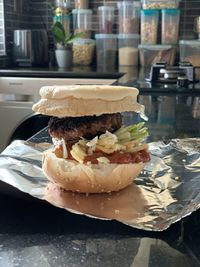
[30,48]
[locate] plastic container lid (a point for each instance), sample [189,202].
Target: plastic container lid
[129,36]
[171,11]
[155,47]
[83,41]
[105,36]
[106,8]
[189,42]
[82,11]
[137,4]
[129,3]
[149,12]
[144,1]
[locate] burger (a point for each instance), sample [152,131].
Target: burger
[92,151]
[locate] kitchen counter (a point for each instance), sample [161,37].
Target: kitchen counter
[139,79]
[124,75]
[73,72]
[34,233]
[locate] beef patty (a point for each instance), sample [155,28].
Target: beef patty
[72,128]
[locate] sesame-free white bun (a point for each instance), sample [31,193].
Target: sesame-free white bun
[86,100]
[94,178]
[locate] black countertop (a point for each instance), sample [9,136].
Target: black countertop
[34,233]
[127,76]
[73,72]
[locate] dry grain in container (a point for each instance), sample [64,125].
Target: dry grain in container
[83,51]
[160,4]
[128,49]
[129,16]
[170,26]
[152,54]
[149,26]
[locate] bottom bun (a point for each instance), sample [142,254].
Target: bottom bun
[94,178]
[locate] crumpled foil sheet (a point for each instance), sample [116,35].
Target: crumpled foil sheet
[166,191]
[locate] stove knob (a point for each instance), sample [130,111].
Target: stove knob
[182,81]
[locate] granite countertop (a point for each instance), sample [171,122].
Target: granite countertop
[34,233]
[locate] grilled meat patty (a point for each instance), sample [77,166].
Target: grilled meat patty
[72,128]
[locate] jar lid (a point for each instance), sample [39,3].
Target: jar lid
[190,42]
[155,47]
[106,8]
[171,11]
[136,4]
[129,36]
[105,36]
[83,41]
[149,12]
[82,11]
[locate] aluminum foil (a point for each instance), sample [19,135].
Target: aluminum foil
[166,191]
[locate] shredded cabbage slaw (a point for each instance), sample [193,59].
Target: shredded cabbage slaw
[126,139]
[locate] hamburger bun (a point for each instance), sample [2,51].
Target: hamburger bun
[94,178]
[84,100]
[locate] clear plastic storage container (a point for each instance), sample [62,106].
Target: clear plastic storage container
[170,26]
[106,19]
[82,21]
[106,49]
[160,4]
[82,4]
[129,16]
[83,51]
[151,54]
[128,49]
[190,51]
[149,26]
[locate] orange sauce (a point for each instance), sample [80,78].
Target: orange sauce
[116,157]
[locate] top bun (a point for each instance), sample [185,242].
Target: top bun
[86,100]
